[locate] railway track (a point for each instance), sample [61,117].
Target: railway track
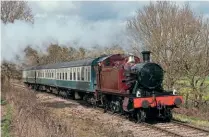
[174,128]
[180,129]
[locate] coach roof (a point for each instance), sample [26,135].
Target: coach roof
[83,62]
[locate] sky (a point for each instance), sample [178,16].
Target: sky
[68,22]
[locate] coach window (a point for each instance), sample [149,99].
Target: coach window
[82,73]
[86,74]
[89,73]
[78,73]
[70,74]
[65,75]
[74,74]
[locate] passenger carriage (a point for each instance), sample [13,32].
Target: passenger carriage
[75,75]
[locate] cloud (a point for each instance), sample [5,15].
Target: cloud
[52,7]
[66,22]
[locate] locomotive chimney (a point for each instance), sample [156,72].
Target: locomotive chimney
[146,56]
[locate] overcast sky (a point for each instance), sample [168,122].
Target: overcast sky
[65,22]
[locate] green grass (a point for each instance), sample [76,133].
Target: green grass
[6,122]
[186,86]
[193,120]
[3,102]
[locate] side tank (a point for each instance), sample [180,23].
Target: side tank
[111,73]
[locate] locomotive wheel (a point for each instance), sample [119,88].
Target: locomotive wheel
[140,116]
[168,115]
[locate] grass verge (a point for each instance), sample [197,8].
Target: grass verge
[193,120]
[6,121]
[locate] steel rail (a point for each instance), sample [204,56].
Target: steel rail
[190,126]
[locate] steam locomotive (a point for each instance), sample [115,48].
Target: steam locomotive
[119,83]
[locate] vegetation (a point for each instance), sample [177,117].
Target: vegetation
[30,115]
[177,37]
[6,121]
[15,10]
[179,41]
[194,120]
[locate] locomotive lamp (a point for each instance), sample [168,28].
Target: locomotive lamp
[138,93]
[131,59]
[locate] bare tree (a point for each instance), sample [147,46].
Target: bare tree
[9,71]
[15,10]
[31,56]
[97,50]
[195,61]
[178,39]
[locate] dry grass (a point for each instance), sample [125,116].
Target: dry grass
[31,118]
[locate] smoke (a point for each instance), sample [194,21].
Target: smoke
[85,24]
[62,30]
